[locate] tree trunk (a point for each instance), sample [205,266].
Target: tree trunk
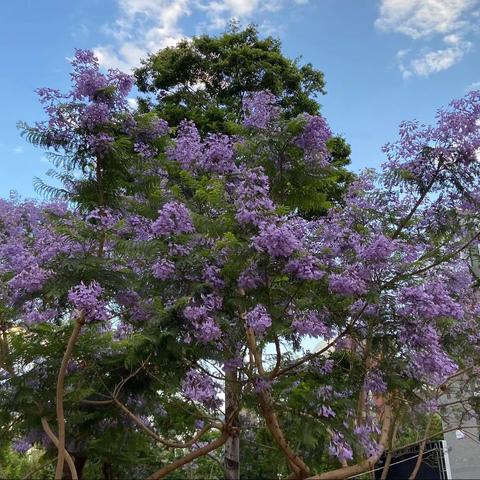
[79,462]
[232,446]
[107,471]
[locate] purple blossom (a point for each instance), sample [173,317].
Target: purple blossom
[325,411]
[212,275]
[339,448]
[258,319]
[250,278]
[218,154]
[174,218]
[149,131]
[96,114]
[144,150]
[35,313]
[429,300]
[276,240]
[199,387]
[163,269]
[347,284]
[364,434]
[312,323]
[188,147]
[374,382]
[260,109]
[201,319]
[21,445]
[305,268]
[32,279]
[102,217]
[314,138]
[100,143]
[87,298]
[251,196]
[378,250]
[232,364]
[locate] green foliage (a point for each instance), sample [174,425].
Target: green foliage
[206,78]
[35,463]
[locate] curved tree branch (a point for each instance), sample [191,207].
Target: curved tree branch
[199,452]
[59,395]
[54,439]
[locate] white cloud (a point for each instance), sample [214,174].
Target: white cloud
[420,18]
[18,149]
[145,26]
[434,61]
[132,103]
[473,86]
[441,27]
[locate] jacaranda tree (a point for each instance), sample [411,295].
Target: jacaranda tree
[179,270]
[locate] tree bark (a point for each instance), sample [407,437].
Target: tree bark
[199,452]
[107,471]
[231,459]
[59,396]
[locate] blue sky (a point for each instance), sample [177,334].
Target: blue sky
[383,60]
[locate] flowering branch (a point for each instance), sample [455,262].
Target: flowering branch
[364,466]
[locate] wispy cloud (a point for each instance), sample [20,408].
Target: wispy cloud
[145,26]
[473,86]
[442,30]
[18,149]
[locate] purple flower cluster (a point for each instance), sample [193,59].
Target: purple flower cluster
[258,320]
[378,250]
[364,435]
[163,269]
[144,131]
[250,278]
[426,357]
[100,143]
[188,146]
[34,313]
[96,114]
[87,299]
[212,275]
[339,448]
[312,323]
[374,382]
[215,154]
[259,109]
[251,196]
[98,99]
[200,388]
[347,284]
[21,445]
[305,267]
[429,300]
[232,364]
[174,218]
[102,218]
[276,240]
[201,318]
[313,139]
